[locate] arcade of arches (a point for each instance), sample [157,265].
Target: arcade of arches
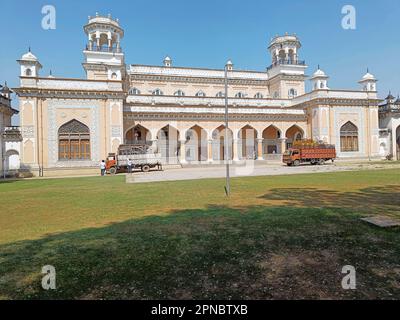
[202,144]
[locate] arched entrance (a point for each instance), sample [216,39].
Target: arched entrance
[271,141]
[12,160]
[138,135]
[74,141]
[294,133]
[247,144]
[218,145]
[196,144]
[168,144]
[349,137]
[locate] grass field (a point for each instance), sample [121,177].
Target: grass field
[278,237]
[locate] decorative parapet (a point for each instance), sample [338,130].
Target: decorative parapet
[71,84]
[337,97]
[206,101]
[12,134]
[196,72]
[389,108]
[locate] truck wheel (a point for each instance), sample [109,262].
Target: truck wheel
[146,168]
[321,162]
[113,171]
[296,163]
[313,162]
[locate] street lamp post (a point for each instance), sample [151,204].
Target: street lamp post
[227,186]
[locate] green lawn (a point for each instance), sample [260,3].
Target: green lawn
[277,237]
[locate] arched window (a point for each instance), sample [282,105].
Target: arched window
[292,93]
[349,137]
[157,92]
[114,76]
[28,72]
[240,95]
[179,93]
[73,141]
[322,85]
[200,94]
[276,95]
[220,94]
[134,91]
[259,95]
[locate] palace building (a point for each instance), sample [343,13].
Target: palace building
[10,137]
[72,124]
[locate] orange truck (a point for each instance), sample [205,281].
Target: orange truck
[317,154]
[141,158]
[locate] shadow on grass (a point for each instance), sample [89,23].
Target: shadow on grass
[217,253]
[374,200]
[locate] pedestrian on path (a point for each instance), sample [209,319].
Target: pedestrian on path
[103,168]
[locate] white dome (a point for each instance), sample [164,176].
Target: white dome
[368,76]
[319,73]
[167,58]
[29,56]
[229,63]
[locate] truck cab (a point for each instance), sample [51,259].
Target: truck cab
[291,156]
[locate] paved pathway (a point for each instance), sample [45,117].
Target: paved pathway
[205,172]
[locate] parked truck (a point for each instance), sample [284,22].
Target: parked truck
[316,154]
[141,156]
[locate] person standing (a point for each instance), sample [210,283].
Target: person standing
[103,168]
[129,166]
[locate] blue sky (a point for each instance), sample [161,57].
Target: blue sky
[206,33]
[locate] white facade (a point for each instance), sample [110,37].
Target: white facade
[389,122]
[180,110]
[9,136]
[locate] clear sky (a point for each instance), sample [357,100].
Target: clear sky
[206,33]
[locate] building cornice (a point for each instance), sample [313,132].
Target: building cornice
[139,116]
[338,102]
[67,94]
[198,80]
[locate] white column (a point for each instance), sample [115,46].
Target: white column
[209,151]
[260,155]
[235,150]
[182,155]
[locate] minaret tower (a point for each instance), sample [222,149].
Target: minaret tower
[104,59]
[287,71]
[319,80]
[368,82]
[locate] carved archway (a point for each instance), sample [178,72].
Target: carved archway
[74,141]
[349,137]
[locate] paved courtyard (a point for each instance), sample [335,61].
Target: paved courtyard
[251,169]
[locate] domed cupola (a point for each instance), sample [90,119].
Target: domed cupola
[390,98]
[368,82]
[167,62]
[319,80]
[30,65]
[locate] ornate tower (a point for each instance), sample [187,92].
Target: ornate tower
[286,71]
[104,59]
[167,62]
[319,80]
[30,65]
[368,82]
